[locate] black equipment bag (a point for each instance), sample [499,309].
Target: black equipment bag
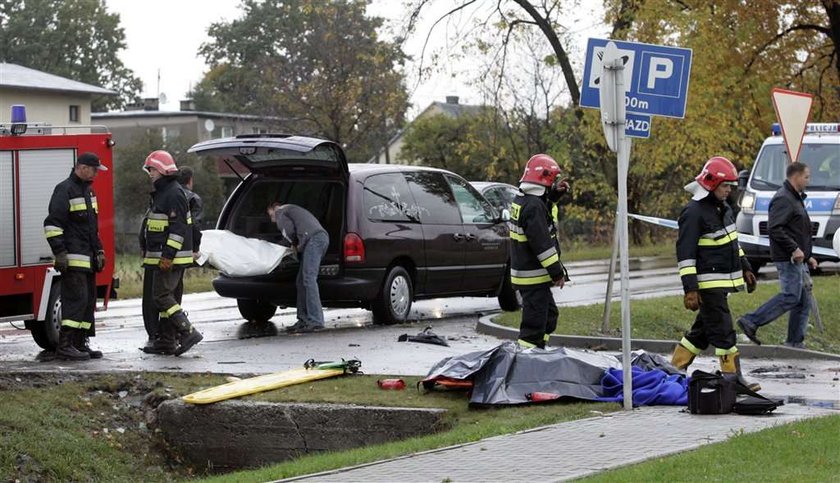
[718,394]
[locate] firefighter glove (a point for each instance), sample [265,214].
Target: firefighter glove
[691,300]
[61,261]
[165,264]
[100,261]
[749,278]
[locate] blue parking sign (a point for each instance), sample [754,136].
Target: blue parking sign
[655,77]
[636,125]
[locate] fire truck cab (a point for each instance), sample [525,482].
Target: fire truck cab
[33,159]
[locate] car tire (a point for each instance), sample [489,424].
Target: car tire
[393,304]
[509,299]
[256,310]
[45,332]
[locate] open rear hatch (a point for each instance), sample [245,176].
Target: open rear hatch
[279,153]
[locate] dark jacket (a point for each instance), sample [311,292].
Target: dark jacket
[708,254]
[297,225]
[196,207]
[789,225]
[167,227]
[534,252]
[72,225]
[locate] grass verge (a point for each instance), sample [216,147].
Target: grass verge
[803,451]
[70,428]
[578,250]
[130,272]
[665,317]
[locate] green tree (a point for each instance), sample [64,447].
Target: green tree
[319,62]
[77,39]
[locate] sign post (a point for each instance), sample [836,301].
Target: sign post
[629,83]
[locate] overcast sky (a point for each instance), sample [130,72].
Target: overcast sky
[164,36]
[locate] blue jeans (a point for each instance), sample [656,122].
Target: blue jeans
[794,298]
[309,309]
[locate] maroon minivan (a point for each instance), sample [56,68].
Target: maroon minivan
[397,233]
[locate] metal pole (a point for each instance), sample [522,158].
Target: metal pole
[605,324]
[624,145]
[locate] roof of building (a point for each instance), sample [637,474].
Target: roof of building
[455,109]
[209,114]
[17,76]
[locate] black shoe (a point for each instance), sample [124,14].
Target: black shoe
[83,345]
[292,329]
[188,340]
[66,350]
[309,328]
[749,331]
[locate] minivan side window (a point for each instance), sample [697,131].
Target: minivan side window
[435,202]
[474,209]
[387,198]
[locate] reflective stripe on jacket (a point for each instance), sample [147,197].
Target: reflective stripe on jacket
[708,253]
[167,227]
[72,225]
[535,254]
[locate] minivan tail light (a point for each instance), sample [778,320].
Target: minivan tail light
[354,248]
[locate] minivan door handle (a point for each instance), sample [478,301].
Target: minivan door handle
[458,237]
[470,237]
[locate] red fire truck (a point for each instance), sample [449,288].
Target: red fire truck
[33,159]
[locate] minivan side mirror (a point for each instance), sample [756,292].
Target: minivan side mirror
[743,178]
[505,215]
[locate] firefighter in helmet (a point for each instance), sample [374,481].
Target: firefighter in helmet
[711,265]
[535,252]
[166,240]
[72,231]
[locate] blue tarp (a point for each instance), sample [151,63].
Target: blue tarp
[650,387]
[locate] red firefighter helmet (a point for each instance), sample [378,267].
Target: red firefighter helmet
[717,170]
[541,169]
[162,161]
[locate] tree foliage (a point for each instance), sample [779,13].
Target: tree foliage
[320,62]
[77,39]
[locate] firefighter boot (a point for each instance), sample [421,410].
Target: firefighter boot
[682,357]
[66,350]
[164,342]
[188,336]
[731,364]
[82,343]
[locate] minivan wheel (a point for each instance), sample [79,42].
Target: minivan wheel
[256,310]
[509,299]
[393,303]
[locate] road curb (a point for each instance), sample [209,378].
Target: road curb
[486,326]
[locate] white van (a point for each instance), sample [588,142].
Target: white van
[821,152]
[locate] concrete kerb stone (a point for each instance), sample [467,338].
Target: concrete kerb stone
[486,326]
[241,434]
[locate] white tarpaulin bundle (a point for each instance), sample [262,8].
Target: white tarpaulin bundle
[237,256]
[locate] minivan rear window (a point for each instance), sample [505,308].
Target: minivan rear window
[323,152]
[388,199]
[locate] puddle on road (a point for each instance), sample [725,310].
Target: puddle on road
[815,403]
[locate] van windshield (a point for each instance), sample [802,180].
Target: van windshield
[823,159]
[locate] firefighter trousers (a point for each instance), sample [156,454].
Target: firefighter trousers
[78,300]
[539,315]
[151,314]
[713,324]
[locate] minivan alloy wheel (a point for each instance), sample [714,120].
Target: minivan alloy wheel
[400,295]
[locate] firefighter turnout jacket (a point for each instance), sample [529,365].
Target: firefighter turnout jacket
[167,228]
[708,253]
[72,226]
[535,254]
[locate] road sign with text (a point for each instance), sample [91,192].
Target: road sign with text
[655,77]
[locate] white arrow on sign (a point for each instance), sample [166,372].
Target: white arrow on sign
[792,110]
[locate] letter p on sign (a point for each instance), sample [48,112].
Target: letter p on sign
[660,68]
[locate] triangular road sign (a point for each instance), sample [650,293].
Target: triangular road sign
[792,111]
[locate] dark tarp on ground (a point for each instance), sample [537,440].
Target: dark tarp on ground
[507,373]
[648,361]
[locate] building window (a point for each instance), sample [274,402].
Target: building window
[74,113]
[259,130]
[227,131]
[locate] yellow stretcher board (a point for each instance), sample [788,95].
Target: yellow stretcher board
[262,383]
